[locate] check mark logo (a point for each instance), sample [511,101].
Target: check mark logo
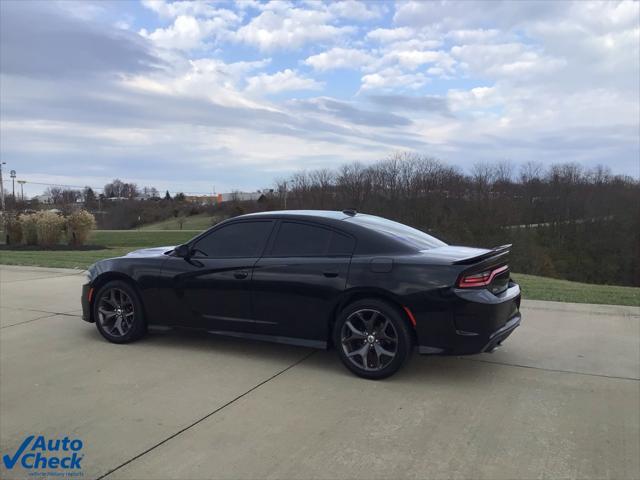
[10,462]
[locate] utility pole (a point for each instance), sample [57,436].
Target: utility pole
[2,186]
[285,195]
[21,182]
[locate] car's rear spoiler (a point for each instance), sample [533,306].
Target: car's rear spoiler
[500,251]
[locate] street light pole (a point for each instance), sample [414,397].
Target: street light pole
[22,182]
[2,186]
[12,174]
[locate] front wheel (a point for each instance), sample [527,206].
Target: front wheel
[118,313]
[372,338]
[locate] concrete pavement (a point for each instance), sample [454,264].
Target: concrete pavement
[560,399]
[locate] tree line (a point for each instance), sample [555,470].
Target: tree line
[564,221]
[114,189]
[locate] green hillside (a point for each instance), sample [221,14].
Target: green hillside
[200,221]
[120,242]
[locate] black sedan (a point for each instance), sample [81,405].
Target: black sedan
[372,288]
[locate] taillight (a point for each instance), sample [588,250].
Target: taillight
[481,279]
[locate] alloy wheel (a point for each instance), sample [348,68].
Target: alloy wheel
[369,339]
[116,312]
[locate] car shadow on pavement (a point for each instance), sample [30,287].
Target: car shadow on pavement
[199,342]
[419,368]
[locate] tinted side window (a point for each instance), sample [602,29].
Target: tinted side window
[341,244]
[302,240]
[400,232]
[243,239]
[298,239]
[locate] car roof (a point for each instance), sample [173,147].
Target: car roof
[327,214]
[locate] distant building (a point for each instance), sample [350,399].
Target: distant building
[201,199]
[241,196]
[44,198]
[218,198]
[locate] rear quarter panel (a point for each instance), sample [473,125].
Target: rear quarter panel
[414,282]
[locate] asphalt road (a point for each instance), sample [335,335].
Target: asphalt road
[561,399]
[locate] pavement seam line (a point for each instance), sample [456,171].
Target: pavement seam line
[40,278]
[493,362]
[44,311]
[41,269]
[48,315]
[230,402]
[624,313]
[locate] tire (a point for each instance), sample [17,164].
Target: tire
[367,332]
[118,312]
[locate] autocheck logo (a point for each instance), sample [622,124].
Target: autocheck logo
[38,453]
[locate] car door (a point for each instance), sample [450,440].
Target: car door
[297,283]
[212,287]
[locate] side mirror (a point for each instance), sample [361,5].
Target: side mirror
[182,251]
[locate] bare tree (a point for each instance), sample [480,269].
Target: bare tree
[531,171]
[503,172]
[55,193]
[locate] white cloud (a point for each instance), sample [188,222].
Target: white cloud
[412,59]
[188,32]
[390,34]
[473,99]
[507,59]
[477,35]
[338,57]
[196,8]
[123,24]
[418,43]
[290,28]
[410,54]
[448,15]
[417,13]
[392,78]
[285,80]
[356,10]
[249,5]
[206,78]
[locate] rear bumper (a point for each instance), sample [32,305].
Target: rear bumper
[497,337]
[86,304]
[479,321]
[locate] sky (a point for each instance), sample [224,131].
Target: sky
[220,96]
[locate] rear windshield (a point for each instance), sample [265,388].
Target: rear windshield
[403,233]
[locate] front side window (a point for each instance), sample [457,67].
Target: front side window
[303,240]
[242,239]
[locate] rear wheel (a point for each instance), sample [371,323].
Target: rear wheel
[117,310]
[372,338]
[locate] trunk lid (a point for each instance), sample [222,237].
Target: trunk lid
[489,270]
[453,253]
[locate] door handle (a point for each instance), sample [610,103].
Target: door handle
[241,274]
[330,274]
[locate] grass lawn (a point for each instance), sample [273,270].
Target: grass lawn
[141,238]
[544,288]
[63,258]
[200,221]
[120,242]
